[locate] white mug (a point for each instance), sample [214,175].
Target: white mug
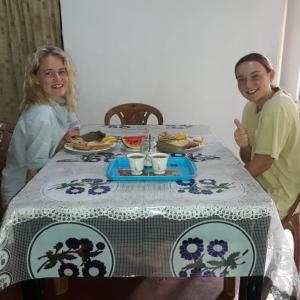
[136,163]
[159,162]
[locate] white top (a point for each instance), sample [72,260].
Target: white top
[35,139]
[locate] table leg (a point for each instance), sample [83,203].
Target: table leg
[250,287]
[33,289]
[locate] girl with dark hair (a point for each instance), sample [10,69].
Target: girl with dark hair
[269,134]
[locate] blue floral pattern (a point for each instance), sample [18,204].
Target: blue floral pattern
[193,250]
[187,253]
[217,248]
[95,157]
[203,186]
[201,157]
[93,186]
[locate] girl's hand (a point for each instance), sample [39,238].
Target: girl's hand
[71,134]
[241,134]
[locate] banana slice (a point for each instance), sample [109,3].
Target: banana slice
[110,138]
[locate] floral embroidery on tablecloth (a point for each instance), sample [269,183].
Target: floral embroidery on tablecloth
[203,186]
[5,280]
[196,157]
[213,248]
[201,157]
[93,186]
[4,258]
[95,157]
[75,248]
[70,249]
[193,250]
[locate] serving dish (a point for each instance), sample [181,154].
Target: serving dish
[69,147]
[178,168]
[170,148]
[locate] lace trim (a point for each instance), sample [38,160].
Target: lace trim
[126,214]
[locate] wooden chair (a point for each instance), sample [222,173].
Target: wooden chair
[133,114]
[6,131]
[290,222]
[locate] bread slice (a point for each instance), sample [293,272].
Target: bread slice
[80,144]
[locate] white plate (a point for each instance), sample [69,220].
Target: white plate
[193,148]
[70,148]
[196,148]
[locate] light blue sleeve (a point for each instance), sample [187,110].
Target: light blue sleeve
[73,120]
[39,144]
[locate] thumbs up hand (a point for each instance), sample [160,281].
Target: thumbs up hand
[240,134]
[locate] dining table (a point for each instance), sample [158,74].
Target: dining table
[75,220]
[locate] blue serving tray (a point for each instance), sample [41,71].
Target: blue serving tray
[178,168]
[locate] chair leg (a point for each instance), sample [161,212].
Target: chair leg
[61,285]
[295,230]
[228,289]
[33,289]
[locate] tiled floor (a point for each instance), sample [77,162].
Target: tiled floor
[131,289]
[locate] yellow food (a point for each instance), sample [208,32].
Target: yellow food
[180,136]
[80,144]
[110,138]
[180,143]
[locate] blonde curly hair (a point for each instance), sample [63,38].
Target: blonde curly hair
[33,94]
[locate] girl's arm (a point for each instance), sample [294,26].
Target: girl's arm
[259,164]
[245,153]
[67,138]
[30,174]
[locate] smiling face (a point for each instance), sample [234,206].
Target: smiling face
[254,82]
[52,77]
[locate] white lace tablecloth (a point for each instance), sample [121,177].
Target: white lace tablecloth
[70,220]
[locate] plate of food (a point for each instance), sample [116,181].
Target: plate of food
[133,143]
[79,145]
[178,143]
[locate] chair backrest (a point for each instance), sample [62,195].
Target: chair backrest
[133,114]
[6,131]
[292,223]
[291,212]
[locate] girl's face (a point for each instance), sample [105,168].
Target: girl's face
[254,82]
[52,77]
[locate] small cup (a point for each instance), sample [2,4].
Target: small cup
[159,162]
[136,163]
